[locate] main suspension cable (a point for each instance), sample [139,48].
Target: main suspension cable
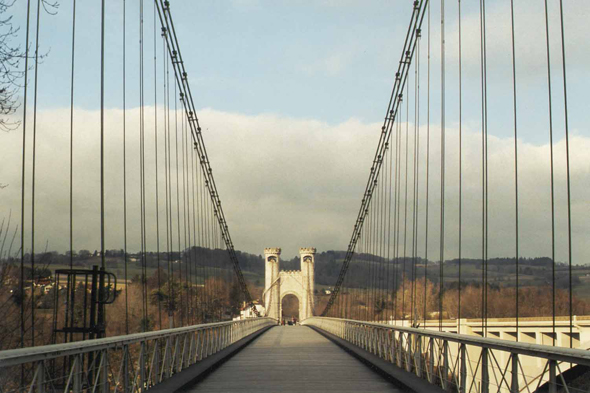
[409,47]
[181,76]
[23,189]
[126,259]
[156,171]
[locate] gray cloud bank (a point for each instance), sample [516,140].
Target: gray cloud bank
[293,182]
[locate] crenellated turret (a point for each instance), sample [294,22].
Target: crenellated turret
[307,272]
[271,284]
[299,283]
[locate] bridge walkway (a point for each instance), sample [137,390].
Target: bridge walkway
[293,359]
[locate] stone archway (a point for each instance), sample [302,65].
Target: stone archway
[286,312]
[278,284]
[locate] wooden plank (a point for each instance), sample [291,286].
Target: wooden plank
[293,359]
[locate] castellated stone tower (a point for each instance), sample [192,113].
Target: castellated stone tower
[306,306]
[299,283]
[271,285]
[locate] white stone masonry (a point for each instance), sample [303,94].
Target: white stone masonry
[299,283]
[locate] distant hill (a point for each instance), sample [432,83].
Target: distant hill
[501,271]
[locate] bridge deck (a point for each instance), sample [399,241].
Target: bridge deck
[293,359]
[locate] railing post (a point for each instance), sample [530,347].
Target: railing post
[141,364]
[552,376]
[157,361]
[167,358]
[78,364]
[410,354]
[191,349]
[359,335]
[211,341]
[383,344]
[124,370]
[431,378]
[105,372]
[400,348]
[223,336]
[418,355]
[199,341]
[217,335]
[485,378]
[177,356]
[363,337]
[463,372]
[182,361]
[445,368]
[205,351]
[218,339]
[40,377]
[514,385]
[391,346]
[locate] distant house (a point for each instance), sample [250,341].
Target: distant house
[247,312]
[133,258]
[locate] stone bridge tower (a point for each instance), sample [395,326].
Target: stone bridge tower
[299,283]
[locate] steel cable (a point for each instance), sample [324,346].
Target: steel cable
[552,183]
[568,177]
[157,193]
[34,167]
[23,189]
[460,163]
[427,171]
[126,259]
[514,101]
[442,167]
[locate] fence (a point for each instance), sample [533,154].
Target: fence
[131,363]
[464,363]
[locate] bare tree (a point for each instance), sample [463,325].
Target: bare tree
[12,72]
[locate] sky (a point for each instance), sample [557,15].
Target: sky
[291,97]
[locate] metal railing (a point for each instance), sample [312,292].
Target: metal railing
[131,363]
[462,363]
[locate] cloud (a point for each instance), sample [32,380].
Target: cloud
[291,183]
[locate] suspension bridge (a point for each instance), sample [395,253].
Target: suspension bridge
[464,272]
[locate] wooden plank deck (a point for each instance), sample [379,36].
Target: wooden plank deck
[293,359]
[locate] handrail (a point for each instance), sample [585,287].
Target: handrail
[458,361]
[562,354]
[32,354]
